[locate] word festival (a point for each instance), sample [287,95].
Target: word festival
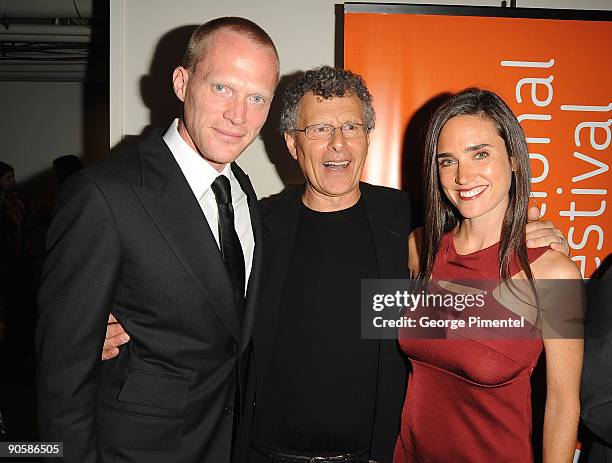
[591,136]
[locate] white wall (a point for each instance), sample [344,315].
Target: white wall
[302,30]
[39,121]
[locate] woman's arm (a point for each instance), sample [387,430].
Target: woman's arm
[563,370]
[562,411]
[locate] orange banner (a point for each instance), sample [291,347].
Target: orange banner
[554,73]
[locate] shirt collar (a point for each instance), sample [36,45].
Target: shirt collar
[198,172]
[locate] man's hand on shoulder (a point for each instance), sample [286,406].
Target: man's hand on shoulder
[542,233]
[115,337]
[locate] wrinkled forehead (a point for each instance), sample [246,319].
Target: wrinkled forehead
[317,101]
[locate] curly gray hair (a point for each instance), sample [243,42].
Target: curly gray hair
[327,82]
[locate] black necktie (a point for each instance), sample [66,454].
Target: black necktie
[231,250]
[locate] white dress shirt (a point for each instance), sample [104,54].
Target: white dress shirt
[200,175]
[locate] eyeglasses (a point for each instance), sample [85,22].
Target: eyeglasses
[326,131]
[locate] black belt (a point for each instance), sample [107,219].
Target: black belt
[282,456]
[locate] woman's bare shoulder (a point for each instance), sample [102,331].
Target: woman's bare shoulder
[555,265]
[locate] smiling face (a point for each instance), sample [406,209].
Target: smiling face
[332,167]
[226,96]
[474,168]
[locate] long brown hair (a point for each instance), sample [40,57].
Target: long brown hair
[440,214]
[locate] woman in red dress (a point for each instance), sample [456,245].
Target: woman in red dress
[469,398]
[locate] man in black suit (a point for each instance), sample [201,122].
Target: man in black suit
[596,388]
[322,390]
[166,233]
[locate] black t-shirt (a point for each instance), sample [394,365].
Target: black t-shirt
[320,390]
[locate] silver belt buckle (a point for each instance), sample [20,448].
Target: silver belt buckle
[328,459]
[334,459]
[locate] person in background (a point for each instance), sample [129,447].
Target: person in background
[16,312]
[11,222]
[15,244]
[64,166]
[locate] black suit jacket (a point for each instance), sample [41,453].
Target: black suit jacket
[596,388]
[388,213]
[129,235]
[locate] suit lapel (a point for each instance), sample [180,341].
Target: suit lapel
[279,230]
[386,237]
[391,249]
[255,276]
[169,201]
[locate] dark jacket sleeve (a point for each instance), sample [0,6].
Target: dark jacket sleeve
[79,281]
[596,388]
[393,365]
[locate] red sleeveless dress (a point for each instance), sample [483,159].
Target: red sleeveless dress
[468,400]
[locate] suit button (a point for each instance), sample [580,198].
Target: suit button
[229,410]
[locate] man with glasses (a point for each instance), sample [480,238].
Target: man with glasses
[322,390]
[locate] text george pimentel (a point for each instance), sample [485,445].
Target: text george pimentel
[427,322]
